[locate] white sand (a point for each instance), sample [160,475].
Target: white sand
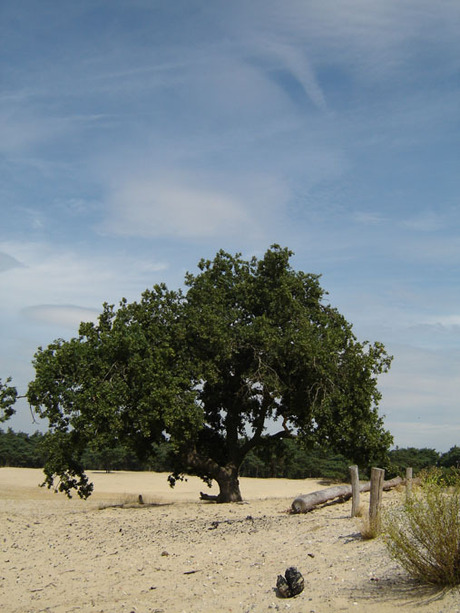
[180,554]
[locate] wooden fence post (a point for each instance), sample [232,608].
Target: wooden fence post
[354,474]
[408,483]
[377,477]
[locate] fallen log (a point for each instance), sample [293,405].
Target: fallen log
[307,502]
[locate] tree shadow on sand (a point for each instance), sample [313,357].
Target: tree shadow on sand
[401,590]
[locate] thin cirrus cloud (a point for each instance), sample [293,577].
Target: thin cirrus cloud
[7,262]
[53,275]
[67,316]
[289,68]
[449,321]
[205,206]
[146,209]
[425,221]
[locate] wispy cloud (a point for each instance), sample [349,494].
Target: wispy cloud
[289,66]
[21,131]
[53,275]
[7,262]
[369,218]
[68,316]
[425,221]
[153,209]
[203,206]
[445,320]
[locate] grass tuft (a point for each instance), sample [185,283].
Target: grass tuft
[129,501]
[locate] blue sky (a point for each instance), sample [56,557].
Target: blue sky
[138,136]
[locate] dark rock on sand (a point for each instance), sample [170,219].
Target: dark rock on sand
[291,584]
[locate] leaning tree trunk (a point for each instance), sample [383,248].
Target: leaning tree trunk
[229,485]
[225,476]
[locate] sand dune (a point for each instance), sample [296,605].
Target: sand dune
[179,554]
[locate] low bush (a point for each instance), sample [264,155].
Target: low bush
[423,534]
[446,476]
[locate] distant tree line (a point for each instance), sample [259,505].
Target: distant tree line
[21,449]
[31,451]
[289,459]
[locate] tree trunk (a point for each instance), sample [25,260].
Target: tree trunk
[229,486]
[225,476]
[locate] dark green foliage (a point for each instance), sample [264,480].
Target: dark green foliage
[20,449]
[63,457]
[282,458]
[120,382]
[289,459]
[8,395]
[162,458]
[423,460]
[444,476]
[417,459]
[451,458]
[30,451]
[249,342]
[114,457]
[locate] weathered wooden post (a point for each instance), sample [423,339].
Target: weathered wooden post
[408,482]
[377,477]
[354,474]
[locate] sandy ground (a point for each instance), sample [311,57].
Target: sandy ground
[178,554]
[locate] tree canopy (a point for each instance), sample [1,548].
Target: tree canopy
[8,396]
[417,459]
[249,345]
[451,457]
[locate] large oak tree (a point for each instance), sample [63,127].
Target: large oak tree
[249,345]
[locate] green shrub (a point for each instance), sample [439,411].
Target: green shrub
[441,475]
[423,534]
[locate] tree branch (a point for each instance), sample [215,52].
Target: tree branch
[203,464]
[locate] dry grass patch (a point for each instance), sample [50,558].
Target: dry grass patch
[423,534]
[369,528]
[131,501]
